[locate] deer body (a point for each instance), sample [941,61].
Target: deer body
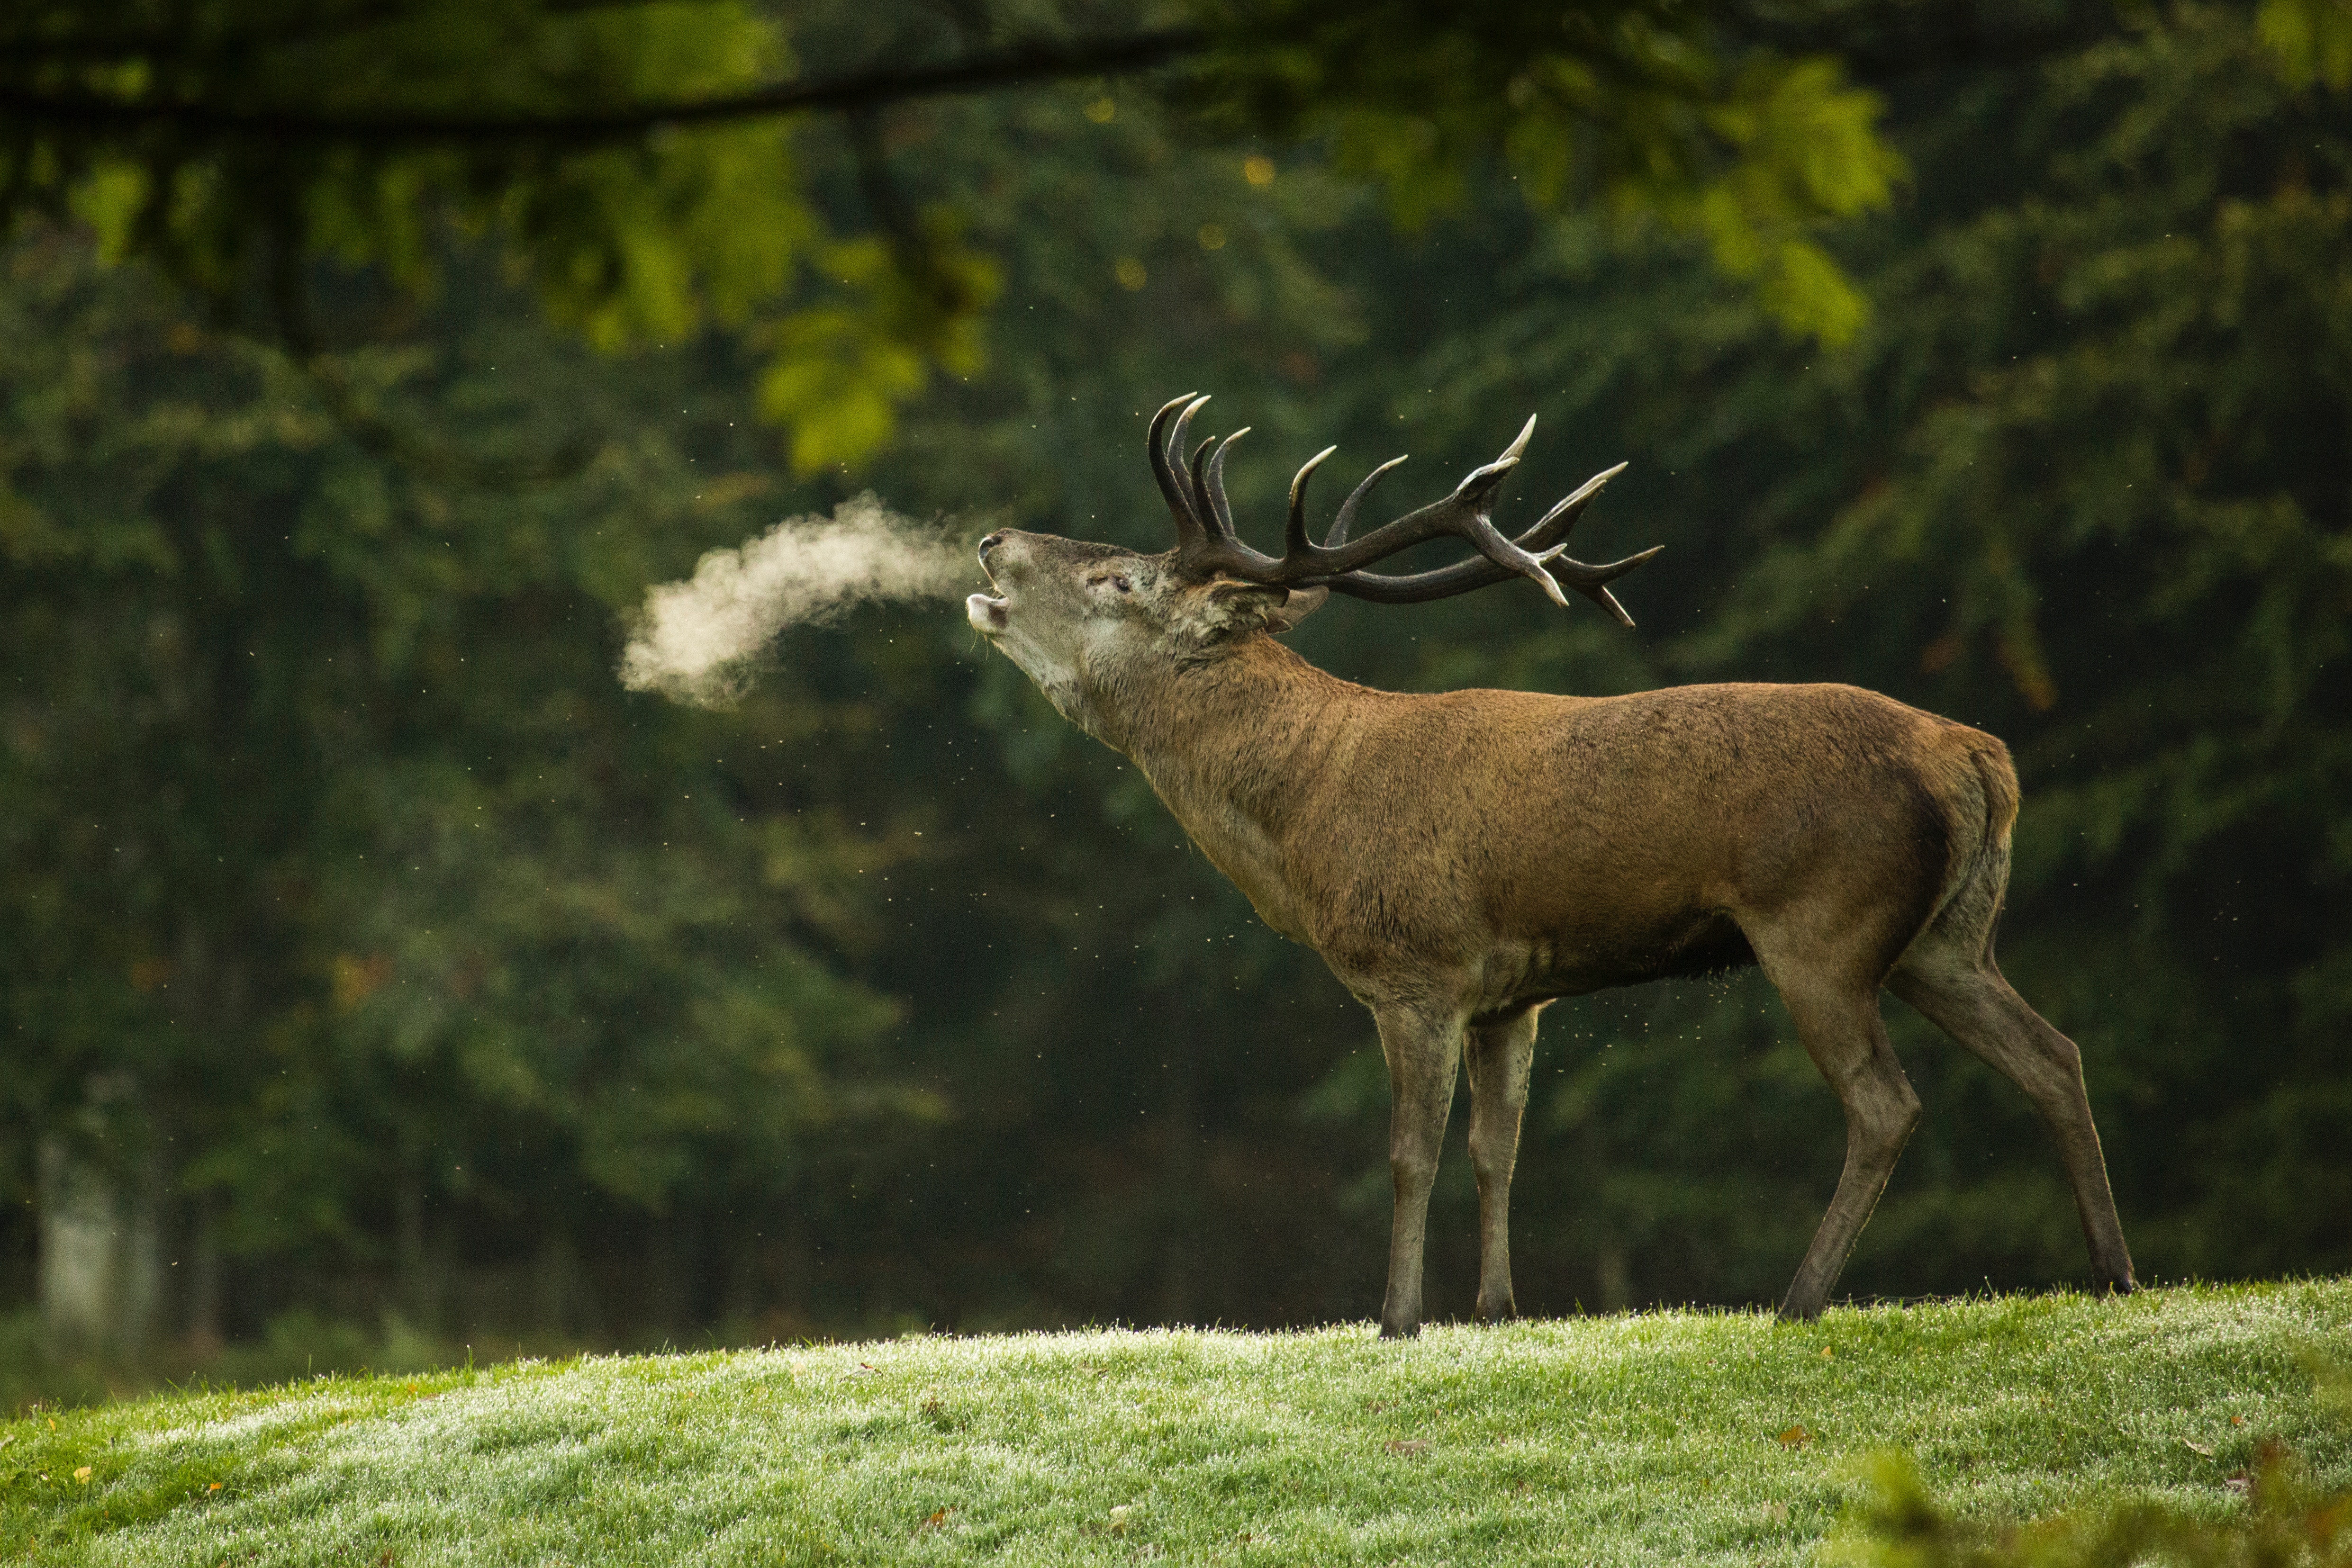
[1461,860]
[1522,881]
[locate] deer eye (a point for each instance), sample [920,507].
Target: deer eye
[1123,585]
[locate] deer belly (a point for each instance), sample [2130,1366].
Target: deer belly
[1702,942]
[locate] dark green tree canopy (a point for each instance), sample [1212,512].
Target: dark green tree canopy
[644,162]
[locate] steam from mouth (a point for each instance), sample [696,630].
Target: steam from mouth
[697,642]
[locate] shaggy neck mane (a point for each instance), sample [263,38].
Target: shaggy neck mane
[1243,730]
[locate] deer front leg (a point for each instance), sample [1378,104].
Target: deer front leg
[1499,1055]
[1424,1054]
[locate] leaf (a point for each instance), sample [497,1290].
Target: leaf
[1407,1446]
[2311,39]
[939,1518]
[81,1474]
[1795,1437]
[2196,1448]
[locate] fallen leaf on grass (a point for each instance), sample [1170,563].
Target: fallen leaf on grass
[1795,1437]
[2239,1486]
[1825,1353]
[2196,1448]
[83,1475]
[215,1487]
[939,1517]
[1776,1513]
[1408,1447]
[2237,1420]
[1119,1516]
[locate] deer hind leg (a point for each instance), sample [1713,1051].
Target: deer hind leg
[1955,983]
[1837,1019]
[1500,1056]
[1424,1055]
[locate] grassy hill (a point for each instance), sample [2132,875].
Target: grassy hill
[1681,1436]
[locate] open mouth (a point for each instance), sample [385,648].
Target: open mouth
[986,611]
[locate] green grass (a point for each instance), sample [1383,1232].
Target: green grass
[1669,1437]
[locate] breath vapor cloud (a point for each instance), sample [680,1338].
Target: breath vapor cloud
[698,641]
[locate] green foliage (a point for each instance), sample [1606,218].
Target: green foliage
[2313,39]
[638,162]
[1649,107]
[629,242]
[2286,1519]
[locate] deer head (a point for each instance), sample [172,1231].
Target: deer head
[1087,620]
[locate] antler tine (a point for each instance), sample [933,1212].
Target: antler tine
[1178,435]
[1511,453]
[1200,491]
[1294,534]
[1463,577]
[1221,511]
[1594,586]
[1347,517]
[1180,505]
[1567,508]
[1462,513]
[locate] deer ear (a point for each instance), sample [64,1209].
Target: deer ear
[1302,602]
[1231,608]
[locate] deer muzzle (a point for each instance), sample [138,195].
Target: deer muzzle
[985,610]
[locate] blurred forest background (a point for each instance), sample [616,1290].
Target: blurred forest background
[380,981]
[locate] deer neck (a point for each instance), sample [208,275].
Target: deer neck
[1236,746]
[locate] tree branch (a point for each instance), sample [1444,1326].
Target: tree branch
[1037,62]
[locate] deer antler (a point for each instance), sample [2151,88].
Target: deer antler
[1207,542]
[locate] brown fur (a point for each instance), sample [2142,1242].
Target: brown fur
[1462,860]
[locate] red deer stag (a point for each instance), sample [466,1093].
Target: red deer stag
[1462,860]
